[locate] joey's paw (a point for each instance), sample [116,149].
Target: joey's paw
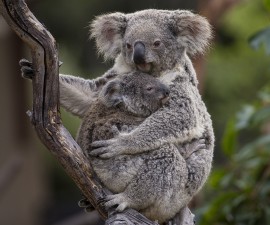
[125,129]
[115,131]
[118,200]
[200,144]
[196,145]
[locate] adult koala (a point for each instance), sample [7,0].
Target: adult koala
[158,42]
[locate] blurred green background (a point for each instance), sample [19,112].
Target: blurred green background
[234,82]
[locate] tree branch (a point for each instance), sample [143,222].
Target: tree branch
[45,115]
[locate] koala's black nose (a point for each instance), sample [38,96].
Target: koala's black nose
[139,53]
[166,91]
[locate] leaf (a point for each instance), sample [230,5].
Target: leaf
[243,117]
[261,115]
[264,94]
[229,138]
[216,176]
[250,149]
[261,38]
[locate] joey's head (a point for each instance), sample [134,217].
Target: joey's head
[151,40]
[139,93]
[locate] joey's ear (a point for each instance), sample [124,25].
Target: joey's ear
[108,31]
[111,95]
[193,31]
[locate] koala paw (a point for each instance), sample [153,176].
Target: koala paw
[200,144]
[86,205]
[106,149]
[26,69]
[118,200]
[110,148]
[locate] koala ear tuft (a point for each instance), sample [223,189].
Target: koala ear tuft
[193,31]
[111,95]
[108,31]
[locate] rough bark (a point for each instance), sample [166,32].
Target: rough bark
[45,115]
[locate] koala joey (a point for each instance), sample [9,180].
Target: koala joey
[151,182]
[159,43]
[124,101]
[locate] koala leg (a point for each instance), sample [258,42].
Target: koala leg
[158,189]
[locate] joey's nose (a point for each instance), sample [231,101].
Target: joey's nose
[139,53]
[166,91]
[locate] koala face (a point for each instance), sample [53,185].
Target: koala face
[151,40]
[150,47]
[139,93]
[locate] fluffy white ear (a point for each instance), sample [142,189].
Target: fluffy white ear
[193,31]
[108,31]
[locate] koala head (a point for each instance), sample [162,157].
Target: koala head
[151,40]
[138,93]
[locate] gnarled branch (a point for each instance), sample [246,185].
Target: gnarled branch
[45,115]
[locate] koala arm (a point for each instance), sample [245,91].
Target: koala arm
[175,122]
[77,94]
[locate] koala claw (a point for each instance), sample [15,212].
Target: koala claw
[115,131]
[117,199]
[104,153]
[201,144]
[26,69]
[84,203]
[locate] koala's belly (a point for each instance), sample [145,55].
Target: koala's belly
[116,173]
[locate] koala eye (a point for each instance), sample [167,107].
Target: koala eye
[149,88]
[128,46]
[157,43]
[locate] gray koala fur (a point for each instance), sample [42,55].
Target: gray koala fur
[157,42]
[139,181]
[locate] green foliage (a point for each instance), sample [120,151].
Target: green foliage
[235,72]
[261,38]
[242,188]
[267,4]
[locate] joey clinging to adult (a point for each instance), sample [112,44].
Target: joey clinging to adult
[124,101]
[139,181]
